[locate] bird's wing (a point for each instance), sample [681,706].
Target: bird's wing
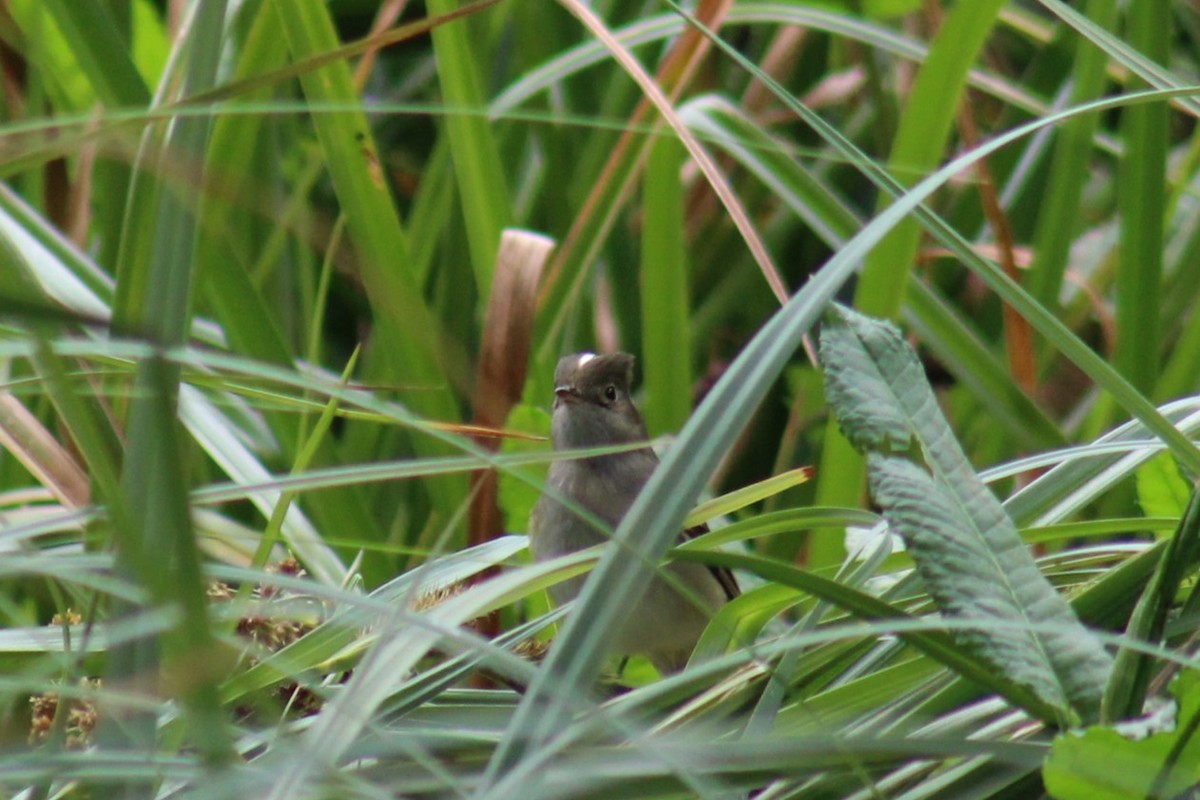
[723,575]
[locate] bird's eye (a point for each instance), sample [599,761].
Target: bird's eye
[610,393]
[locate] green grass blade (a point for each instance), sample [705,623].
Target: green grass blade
[102,50]
[925,127]
[1125,694]
[950,338]
[935,644]
[666,343]
[154,482]
[1142,203]
[242,152]
[482,185]
[1057,218]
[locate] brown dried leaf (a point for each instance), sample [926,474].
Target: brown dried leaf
[504,358]
[508,325]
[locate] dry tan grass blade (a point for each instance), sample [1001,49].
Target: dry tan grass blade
[39,452]
[508,325]
[504,363]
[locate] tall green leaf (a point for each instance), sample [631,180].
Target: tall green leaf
[103,52]
[482,185]
[665,326]
[1142,199]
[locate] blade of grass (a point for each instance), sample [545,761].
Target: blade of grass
[154,482]
[1142,205]
[482,184]
[1126,692]
[666,344]
[611,191]
[102,51]
[1057,218]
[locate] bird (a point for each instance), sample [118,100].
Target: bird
[593,408]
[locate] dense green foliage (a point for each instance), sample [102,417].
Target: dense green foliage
[282,286]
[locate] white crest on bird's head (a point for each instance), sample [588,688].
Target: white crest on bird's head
[592,406]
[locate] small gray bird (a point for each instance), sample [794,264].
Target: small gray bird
[592,408]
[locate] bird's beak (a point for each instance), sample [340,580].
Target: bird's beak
[568,394]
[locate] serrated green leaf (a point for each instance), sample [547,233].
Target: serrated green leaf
[969,580]
[857,389]
[964,545]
